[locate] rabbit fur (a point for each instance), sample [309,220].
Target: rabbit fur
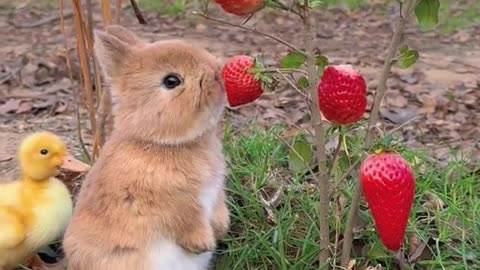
[154,199]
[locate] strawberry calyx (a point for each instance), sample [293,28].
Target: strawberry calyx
[258,70]
[387,144]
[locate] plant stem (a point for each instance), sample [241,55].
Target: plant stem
[70,74]
[409,5]
[106,12]
[337,152]
[279,40]
[138,13]
[284,7]
[282,70]
[118,11]
[323,179]
[82,42]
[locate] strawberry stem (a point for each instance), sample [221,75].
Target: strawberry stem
[408,6]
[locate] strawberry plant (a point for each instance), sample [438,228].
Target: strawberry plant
[339,94]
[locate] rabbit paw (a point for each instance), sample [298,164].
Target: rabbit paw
[199,241]
[221,220]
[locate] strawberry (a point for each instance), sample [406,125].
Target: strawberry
[241,7]
[342,95]
[389,187]
[241,86]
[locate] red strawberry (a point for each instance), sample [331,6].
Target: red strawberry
[342,94]
[241,87]
[389,187]
[241,7]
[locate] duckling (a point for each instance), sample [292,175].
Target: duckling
[35,210]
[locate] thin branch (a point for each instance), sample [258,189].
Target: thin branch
[409,5]
[279,40]
[70,73]
[106,12]
[283,70]
[406,123]
[282,6]
[348,172]
[292,84]
[138,13]
[324,182]
[298,155]
[82,43]
[336,154]
[118,11]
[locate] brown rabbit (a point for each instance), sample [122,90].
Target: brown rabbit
[155,197]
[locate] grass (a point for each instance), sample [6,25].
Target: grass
[287,237]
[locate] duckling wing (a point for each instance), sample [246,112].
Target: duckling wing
[9,193]
[12,231]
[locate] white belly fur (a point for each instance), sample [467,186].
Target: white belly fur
[167,255]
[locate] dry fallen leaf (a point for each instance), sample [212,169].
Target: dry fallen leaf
[5,157]
[10,106]
[351,265]
[24,107]
[433,202]
[378,267]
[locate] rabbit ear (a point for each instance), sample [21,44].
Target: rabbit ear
[111,53]
[123,34]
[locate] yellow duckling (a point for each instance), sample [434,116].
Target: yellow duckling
[35,210]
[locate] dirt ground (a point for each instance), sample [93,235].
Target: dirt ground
[440,93]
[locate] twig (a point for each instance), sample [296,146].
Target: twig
[298,155]
[118,11]
[279,40]
[85,66]
[138,13]
[336,154]
[70,73]
[409,5]
[406,123]
[106,12]
[323,182]
[249,18]
[283,70]
[402,262]
[293,85]
[284,7]
[348,172]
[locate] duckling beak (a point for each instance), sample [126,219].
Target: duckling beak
[74,165]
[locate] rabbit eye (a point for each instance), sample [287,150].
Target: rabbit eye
[171,81]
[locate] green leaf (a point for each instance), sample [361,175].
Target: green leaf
[315,3]
[303,82]
[407,57]
[293,60]
[300,156]
[426,12]
[321,62]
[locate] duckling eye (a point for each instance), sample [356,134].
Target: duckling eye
[171,81]
[44,152]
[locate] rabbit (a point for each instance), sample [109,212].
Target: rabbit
[155,197]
